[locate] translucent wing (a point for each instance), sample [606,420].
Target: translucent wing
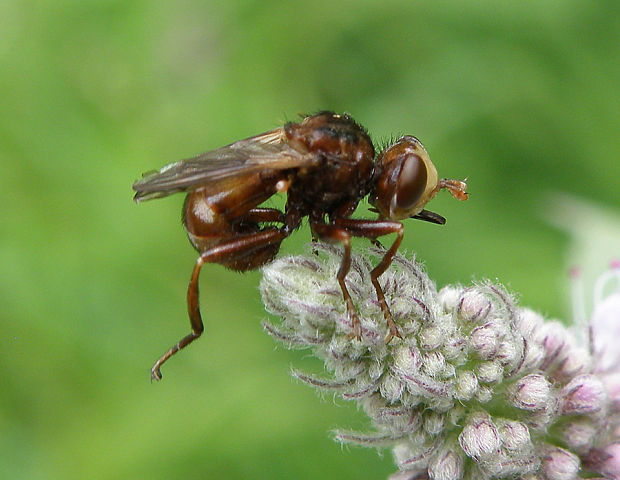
[267,151]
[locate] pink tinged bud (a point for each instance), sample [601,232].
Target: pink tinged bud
[433,364]
[534,355]
[480,438]
[407,359]
[490,372]
[391,388]
[484,341]
[583,394]
[560,464]
[484,394]
[449,298]
[574,363]
[515,436]
[455,348]
[510,351]
[473,306]
[553,336]
[532,392]
[446,465]
[466,385]
[431,338]
[414,454]
[529,322]
[605,461]
[579,435]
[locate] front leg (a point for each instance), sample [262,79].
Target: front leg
[372,229]
[335,234]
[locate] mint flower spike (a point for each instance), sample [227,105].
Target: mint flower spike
[478,387]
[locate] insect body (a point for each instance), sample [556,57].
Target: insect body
[326,164]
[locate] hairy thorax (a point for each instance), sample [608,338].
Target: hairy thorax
[343,167]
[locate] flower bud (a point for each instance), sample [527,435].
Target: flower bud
[431,337]
[433,364]
[534,355]
[529,322]
[532,392]
[560,464]
[575,362]
[446,465]
[509,351]
[514,435]
[480,438]
[490,372]
[605,461]
[449,298]
[484,394]
[484,340]
[455,349]
[583,394]
[407,359]
[391,388]
[579,435]
[466,385]
[553,336]
[473,306]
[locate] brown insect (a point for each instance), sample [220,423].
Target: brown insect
[326,164]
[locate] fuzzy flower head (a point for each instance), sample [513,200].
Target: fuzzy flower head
[477,388]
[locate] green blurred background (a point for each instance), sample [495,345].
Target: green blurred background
[521,97]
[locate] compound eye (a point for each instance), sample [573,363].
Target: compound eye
[412,182]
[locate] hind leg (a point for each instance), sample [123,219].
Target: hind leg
[244,250]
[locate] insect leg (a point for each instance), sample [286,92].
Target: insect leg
[332,233]
[259,215]
[225,251]
[372,229]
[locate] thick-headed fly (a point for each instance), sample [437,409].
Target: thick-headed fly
[326,164]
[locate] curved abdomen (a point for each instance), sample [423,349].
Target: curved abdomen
[216,218]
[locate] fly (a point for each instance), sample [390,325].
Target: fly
[326,165]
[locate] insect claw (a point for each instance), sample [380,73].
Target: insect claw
[155,374]
[391,335]
[357,328]
[394,332]
[355,336]
[377,243]
[315,250]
